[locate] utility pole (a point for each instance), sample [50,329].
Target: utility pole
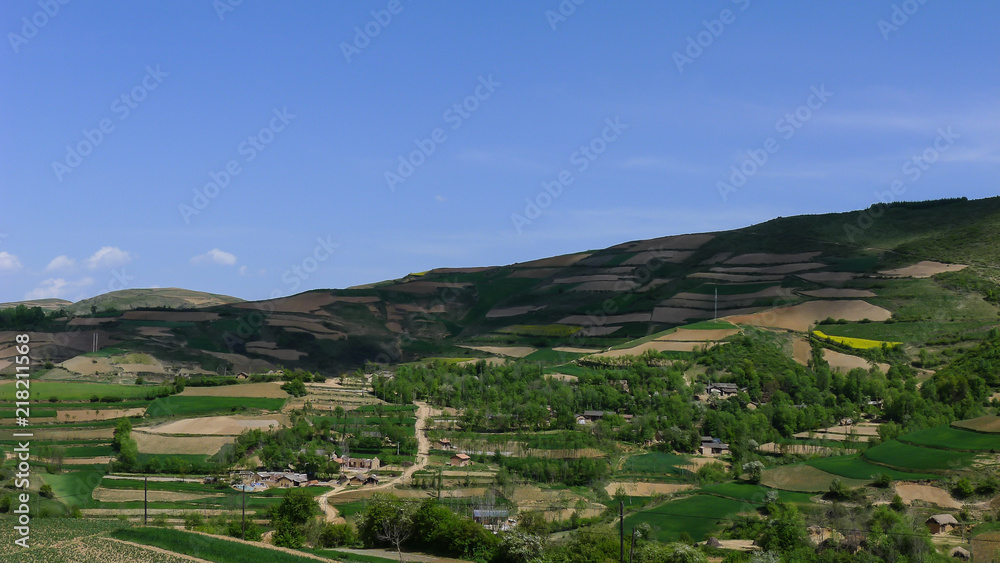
[621,529]
[244,511]
[631,549]
[145,499]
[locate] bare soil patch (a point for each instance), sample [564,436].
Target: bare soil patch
[562,377]
[657,345]
[670,256]
[737,278]
[281,354]
[243,363]
[572,350]
[90,321]
[838,293]
[88,366]
[828,277]
[923,269]
[554,262]
[170,316]
[128,495]
[912,491]
[512,351]
[690,335]
[304,324]
[269,390]
[513,311]
[801,350]
[620,285]
[847,362]
[805,315]
[584,320]
[215,425]
[769,258]
[52,434]
[101,460]
[779,269]
[196,445]
[534,273]
[989,424]
[641,489]
[87,415]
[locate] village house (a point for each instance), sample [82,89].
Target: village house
[362,479]
[445,444]
[713,446]
[941,523]
[495,520]
[722,390]
[279,479]
[460,460]
[359,463]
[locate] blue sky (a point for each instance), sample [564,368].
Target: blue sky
[120,120]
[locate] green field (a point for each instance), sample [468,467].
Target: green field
[74,487]
[177,405]
[905,456]
[657,462]
[205,547]
[854,467]
[75,391]
[948,438]
[921,331]
[549,355]
[698,515]
[754,493]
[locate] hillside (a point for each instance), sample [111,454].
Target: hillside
[927,267]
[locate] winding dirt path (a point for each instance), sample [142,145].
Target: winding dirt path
[423,456]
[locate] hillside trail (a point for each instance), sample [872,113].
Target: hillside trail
[423,456]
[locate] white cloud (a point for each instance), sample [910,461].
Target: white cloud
[215,256]
[108,257]
[440,198]
[59,288]
[62,262]
[244,271]
[9,262]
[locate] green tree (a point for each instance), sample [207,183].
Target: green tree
[297,506]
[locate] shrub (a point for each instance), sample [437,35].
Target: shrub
[881,480]
[338,535]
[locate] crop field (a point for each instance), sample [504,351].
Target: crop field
[205,547]
[905,456]
[549,355]
[553,330]
[268,390]
[81,541]
[77,391]
[986,424]
[948,438]
[921,331]
[855,467]
[804,478]
[698,515]
[657,463]
[859,343]
[177,405]
[753,493]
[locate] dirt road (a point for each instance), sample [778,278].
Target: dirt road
[423,455]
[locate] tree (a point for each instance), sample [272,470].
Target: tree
[519,547]
[286,534]
[297,506]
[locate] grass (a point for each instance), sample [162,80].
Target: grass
[859,343]
[75,391]
[177,405]
[709,325]
[754,493]
[854,467]
[698,515]
[348,509]
[904,456]
[657,462]
[88,451]
[74,487]
[204,547]
[549,355]
[948,438]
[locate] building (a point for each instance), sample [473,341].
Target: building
[494,519]
[941,523]
[360,463]
[460,460]
[713,446]
[593,416]
[445,444]
[722,390]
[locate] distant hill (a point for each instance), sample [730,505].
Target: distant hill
[45,304]
[169,297]
[912,272]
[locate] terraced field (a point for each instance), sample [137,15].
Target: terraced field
[907,457]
